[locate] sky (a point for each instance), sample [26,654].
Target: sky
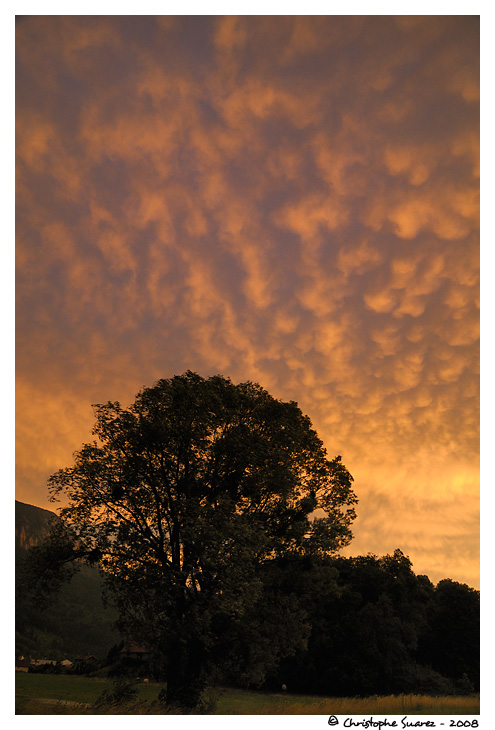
[290,200]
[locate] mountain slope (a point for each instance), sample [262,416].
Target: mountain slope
[76,622]
[32,524]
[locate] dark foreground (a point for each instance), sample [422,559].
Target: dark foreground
[44,694]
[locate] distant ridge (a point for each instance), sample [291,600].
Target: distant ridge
[32,524]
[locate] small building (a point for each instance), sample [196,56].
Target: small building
[43,662]
[66,664]
[22,664]
[134,652]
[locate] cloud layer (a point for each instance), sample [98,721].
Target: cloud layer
[289,200]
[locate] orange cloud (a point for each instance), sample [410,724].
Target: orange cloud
[271,199]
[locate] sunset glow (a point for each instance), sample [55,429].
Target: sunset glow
[291,200]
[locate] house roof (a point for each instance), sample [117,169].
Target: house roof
[132,647]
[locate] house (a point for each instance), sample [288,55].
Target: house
[22,664]
[43,662]
[66,664]
[134,652]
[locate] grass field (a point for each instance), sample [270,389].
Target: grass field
[52,694]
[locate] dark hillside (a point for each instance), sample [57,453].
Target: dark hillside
[76,622]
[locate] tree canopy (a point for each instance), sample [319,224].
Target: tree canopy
[184,495]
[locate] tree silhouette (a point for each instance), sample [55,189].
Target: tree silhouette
[185,496]
[451,641]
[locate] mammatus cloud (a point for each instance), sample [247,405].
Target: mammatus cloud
[289,200]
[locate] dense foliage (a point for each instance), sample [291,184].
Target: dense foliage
[377,628]
[365,626]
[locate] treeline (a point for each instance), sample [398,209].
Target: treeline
[345,627]
[367,625]
[331,626]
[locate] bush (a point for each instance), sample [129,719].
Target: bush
[205,706]
[123,692]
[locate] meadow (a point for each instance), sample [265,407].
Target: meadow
[52,694]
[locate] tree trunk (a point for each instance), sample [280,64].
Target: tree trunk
[185,677]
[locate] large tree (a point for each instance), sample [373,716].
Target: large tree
[182,498]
